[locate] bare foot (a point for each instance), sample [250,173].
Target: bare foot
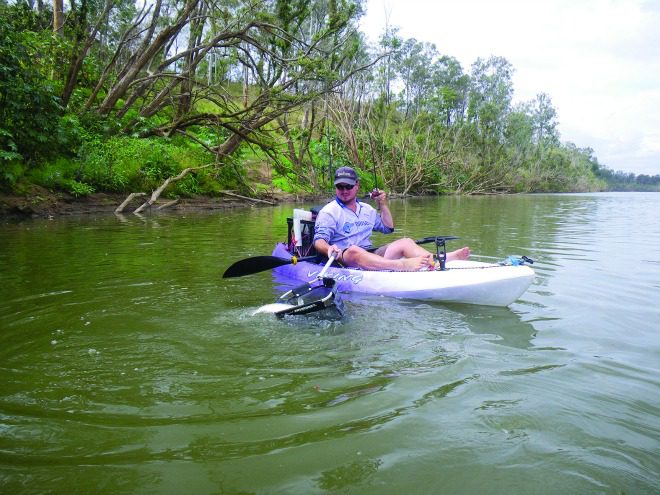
[459,254]
[415,264]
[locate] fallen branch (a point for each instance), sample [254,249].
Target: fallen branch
[247,198]
[168,204]
[156,194]
[130,198]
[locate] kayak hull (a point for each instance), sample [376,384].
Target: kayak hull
[466,282]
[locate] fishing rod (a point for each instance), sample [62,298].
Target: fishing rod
[375,192]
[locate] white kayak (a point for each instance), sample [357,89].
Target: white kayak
[468,282]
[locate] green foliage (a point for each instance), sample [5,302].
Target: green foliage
[125,164]
[61,174]
[623,181]
[78,189]
[230,176]
[31,123]
[188,186]
[11,172]
[287,179]
[282,183]
[328,154]
[9,153]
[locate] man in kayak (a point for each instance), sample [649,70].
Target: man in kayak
[344,226]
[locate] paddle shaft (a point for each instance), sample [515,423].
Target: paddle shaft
[331,260]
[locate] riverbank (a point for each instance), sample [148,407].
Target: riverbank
[42,203]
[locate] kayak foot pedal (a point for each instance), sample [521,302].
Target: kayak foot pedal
[307,298]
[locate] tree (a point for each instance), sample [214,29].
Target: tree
[450,90]
[389,44]
[84,36]
[24,59]
[291,80]
[544,118]
[289,52]
[414,68]
[491,91]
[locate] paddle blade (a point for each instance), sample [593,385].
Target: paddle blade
[256,264]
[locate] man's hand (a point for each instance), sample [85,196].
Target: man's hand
[381,204]
[323,247]
[380,197]
[334,250]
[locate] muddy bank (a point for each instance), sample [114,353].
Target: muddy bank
[42,203]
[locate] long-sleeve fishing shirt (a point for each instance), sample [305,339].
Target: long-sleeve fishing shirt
[338,224]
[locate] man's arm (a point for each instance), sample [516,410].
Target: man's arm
[323,231]
[385,213]
[322,247]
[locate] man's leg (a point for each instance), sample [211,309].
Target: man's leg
[407,248]
[357,257]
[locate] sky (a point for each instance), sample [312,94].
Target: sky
[598,60]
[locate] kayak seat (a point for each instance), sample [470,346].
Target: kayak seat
[305,246]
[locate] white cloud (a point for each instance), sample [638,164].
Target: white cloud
[599,60]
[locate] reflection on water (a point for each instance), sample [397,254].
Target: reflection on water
[500,325]
[129,365]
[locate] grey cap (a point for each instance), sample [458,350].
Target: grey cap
[345,175]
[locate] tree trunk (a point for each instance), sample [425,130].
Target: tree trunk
[79,58]
[246,85]
[195,29]
[119,89]
[58,17]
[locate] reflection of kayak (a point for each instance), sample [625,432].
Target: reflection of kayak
[469,282]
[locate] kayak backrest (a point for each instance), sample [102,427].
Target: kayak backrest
[300,234]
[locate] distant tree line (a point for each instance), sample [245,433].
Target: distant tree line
[258,95]
[626,181]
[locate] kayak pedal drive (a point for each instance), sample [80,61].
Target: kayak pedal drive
[308,298]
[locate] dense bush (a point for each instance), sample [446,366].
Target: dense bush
[127,164]
[32,123]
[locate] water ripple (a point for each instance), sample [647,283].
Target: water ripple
[129,365]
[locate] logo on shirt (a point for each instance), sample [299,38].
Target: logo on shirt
[347,228]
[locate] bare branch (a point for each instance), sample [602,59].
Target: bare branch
[130,198]
[156,194]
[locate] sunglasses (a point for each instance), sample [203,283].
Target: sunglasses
[344,187]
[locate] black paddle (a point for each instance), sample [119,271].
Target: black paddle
[257,264]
